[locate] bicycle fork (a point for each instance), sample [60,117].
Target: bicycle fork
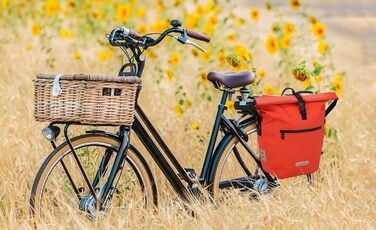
[96,201]
[107,191]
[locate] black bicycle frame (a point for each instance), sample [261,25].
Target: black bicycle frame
[158,149]
[155,145]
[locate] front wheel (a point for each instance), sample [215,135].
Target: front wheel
[60,187]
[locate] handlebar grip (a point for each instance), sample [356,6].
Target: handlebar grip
[134,35]
[198,36]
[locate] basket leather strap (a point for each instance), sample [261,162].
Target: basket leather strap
[56,89]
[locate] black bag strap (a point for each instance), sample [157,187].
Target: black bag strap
[301,103]
[302,107]
[306,91]
[331,107]
[287,88]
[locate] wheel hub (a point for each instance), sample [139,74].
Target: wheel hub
[88,204]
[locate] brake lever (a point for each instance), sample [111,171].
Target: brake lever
[195,45]
[188,42]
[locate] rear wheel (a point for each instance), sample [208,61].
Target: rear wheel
[235,171]
[60,188]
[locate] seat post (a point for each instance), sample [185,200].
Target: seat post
[213,138]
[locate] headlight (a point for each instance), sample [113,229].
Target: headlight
[51,132]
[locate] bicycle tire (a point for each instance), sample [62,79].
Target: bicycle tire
[134,158]
[226,149]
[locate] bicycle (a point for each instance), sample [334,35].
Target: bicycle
[99,170]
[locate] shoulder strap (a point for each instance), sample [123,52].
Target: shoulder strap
[331,107]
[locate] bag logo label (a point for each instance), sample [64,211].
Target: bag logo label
[262,155]
[301,163]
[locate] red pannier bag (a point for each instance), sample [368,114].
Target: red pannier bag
[291,131]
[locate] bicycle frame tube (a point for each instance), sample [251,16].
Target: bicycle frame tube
[146,133]
[213,137]
[142,126]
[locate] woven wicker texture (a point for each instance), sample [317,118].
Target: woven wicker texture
[86,99]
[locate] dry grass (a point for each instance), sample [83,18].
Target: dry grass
[344,199]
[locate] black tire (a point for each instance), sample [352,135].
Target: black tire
[136,162]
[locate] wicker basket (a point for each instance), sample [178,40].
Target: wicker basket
[86,99]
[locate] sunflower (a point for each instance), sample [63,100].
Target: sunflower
[277,91]
[179,110]
[289,28]
[200,10]
[243,53]
[194,52]
[123,11]
[240,21]
[312,19]
[52,7]
[222,57]
[213,19]
[231,37]
[192,20]
[271,44]
[170,75]
[204,78]
[295,4]
[322,47]
[174,59]
[254,14]
[140,12]
[261,73]
[206,56]
[102,55]
[35,29]
[337,86]
[76,55]
[307,83]
[268,89]
[195,125]
[209,28]
[4,4]
[285,41]
[210,5]
[141,28]
[64,33]
[230,105]
[318,29]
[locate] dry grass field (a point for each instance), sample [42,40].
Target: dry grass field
[345,197]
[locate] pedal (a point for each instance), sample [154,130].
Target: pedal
[190,172]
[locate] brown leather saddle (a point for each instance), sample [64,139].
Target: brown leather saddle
[231,79]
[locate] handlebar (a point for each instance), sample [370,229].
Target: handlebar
[198,36]
[135,35]
[145,41]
